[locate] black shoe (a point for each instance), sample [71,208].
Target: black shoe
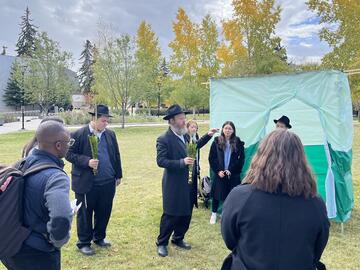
[103,243]
[162,251]
[181,244]
[87,250]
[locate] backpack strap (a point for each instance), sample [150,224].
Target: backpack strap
[40,167]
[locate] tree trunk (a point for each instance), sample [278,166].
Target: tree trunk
[123,110]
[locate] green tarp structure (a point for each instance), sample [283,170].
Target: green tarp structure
[319,107]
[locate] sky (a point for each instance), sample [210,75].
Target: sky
[71,22]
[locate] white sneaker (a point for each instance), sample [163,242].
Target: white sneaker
[213,218]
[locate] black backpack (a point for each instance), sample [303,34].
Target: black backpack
[12,231]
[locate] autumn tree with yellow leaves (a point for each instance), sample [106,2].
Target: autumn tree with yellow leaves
[250,44]
[148,61]
[193,59]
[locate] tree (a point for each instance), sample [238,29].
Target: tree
[148,61]
[114,71]
[341,20]
[14,94]
[185,61]
[46,81]
[209,43]
[253,28]
[231,53]
[85,74]
[25,45]
[162,80]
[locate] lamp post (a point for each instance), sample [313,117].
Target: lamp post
[23,99]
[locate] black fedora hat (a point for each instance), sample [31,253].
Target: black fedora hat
[101,110]
[285,120]
[174,110]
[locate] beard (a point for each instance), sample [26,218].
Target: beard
[179,131]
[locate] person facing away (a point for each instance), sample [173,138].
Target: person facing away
[47,209]
[226,158]
[283,122]
[94,180]
[33,143]
[192,128]
[276,220]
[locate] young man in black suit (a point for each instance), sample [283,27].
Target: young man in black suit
[95,190]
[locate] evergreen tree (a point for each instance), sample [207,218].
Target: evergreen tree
[86,74]
[14,94]
[25,45]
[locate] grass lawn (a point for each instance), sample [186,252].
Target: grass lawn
[137,208]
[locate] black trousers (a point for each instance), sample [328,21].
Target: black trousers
[29,258]
[94,214]
[172,225]
[215,205]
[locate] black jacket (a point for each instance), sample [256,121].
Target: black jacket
[222,186]
[175,187]
[273,231]
[80,154]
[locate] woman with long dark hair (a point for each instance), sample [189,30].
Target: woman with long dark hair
[276,220]
[226,160]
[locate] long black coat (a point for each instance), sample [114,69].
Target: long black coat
[196,171]
[273,231]
[222,186]
[175,187]
[80,154]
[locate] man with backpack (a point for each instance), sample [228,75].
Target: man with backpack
[47,213]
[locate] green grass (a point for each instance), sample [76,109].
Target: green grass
[135,218]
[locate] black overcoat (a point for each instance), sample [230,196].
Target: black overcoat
[273,230]
[171,151]
[222,186]
[80,153]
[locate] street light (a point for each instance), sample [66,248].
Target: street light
[23,99]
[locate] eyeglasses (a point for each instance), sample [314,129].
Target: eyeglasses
[69,142]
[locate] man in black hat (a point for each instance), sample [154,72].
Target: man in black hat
[177,203]
[283,122]
[95,190]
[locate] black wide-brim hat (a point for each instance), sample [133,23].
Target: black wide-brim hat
[174,110]
[285,120]
[101,110]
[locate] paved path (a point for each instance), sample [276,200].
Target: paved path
[31,124]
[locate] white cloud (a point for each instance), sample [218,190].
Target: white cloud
[72,21]
[306,45]
[312,59]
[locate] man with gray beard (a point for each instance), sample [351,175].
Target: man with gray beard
[177,207]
